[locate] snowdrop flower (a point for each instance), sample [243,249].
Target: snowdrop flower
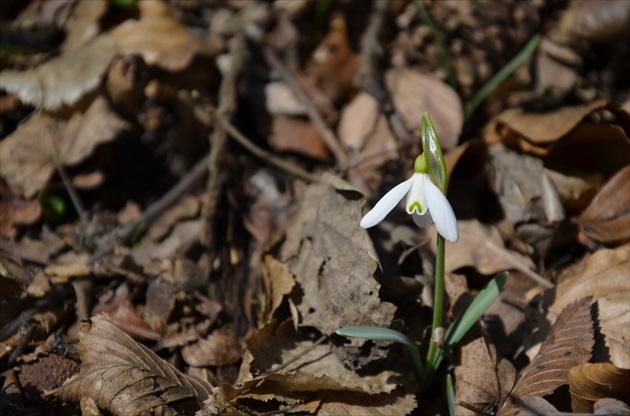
[425,203]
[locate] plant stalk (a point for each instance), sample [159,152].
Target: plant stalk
[438,312]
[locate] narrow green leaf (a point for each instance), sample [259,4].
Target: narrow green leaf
[456,331]
[474,311]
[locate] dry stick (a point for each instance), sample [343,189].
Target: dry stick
[263,154]
[370,48]
[329,137]
[366,78]
[318,122]
[173,195]
[218,141]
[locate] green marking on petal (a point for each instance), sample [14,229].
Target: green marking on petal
[414,205]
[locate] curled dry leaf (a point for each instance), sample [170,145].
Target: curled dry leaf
[568,344]
[607,218]
[589,383]
[414,93]
[547,127]
[605,277]
[157,37]
[29,155]
[63,80]
[124,377]
[277,282]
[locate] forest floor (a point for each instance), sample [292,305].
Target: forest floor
[182,182]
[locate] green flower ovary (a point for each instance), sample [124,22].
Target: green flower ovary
[420,164]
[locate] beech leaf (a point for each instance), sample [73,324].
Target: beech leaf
[124,377]
[568,344]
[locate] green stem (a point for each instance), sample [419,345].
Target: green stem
[500,76]
[438,312]
[446,59]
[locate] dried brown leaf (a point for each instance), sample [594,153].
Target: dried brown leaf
[607,218]
[274,345]
[124,377]
[84,24]
[277,282]
[482,377]
[547,127]
[157,37]
[215,350]
[333,260]
[568,344]
[413,93]
[597,148]
[290,134]
[589,383]
[611,407]
[333,63]
[481,246]
[29,155]
[63,80]
[605,277]
[16,212]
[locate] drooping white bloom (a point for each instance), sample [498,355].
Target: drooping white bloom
[425,202]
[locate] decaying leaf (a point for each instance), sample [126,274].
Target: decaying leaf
[16,212]
[607,218]
[274,345]
[29,155]
[605,277]
[277,282]
[589,383]
[124,377]
[481,247]
[413,93]
[63,80]
[543,128]
[214,350]
[568,344]
[157,37]
[292,134]
[333,260]
[482,377]
[285,367]
[84,24]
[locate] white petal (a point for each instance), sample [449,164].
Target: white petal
[442,212]
[416,195]
[422,221]
[386,204]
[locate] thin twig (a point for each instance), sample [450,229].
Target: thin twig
[318,122]
[125,234]
[330,140]
[263,154]
[74,196]
[371,49]
[218,141]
